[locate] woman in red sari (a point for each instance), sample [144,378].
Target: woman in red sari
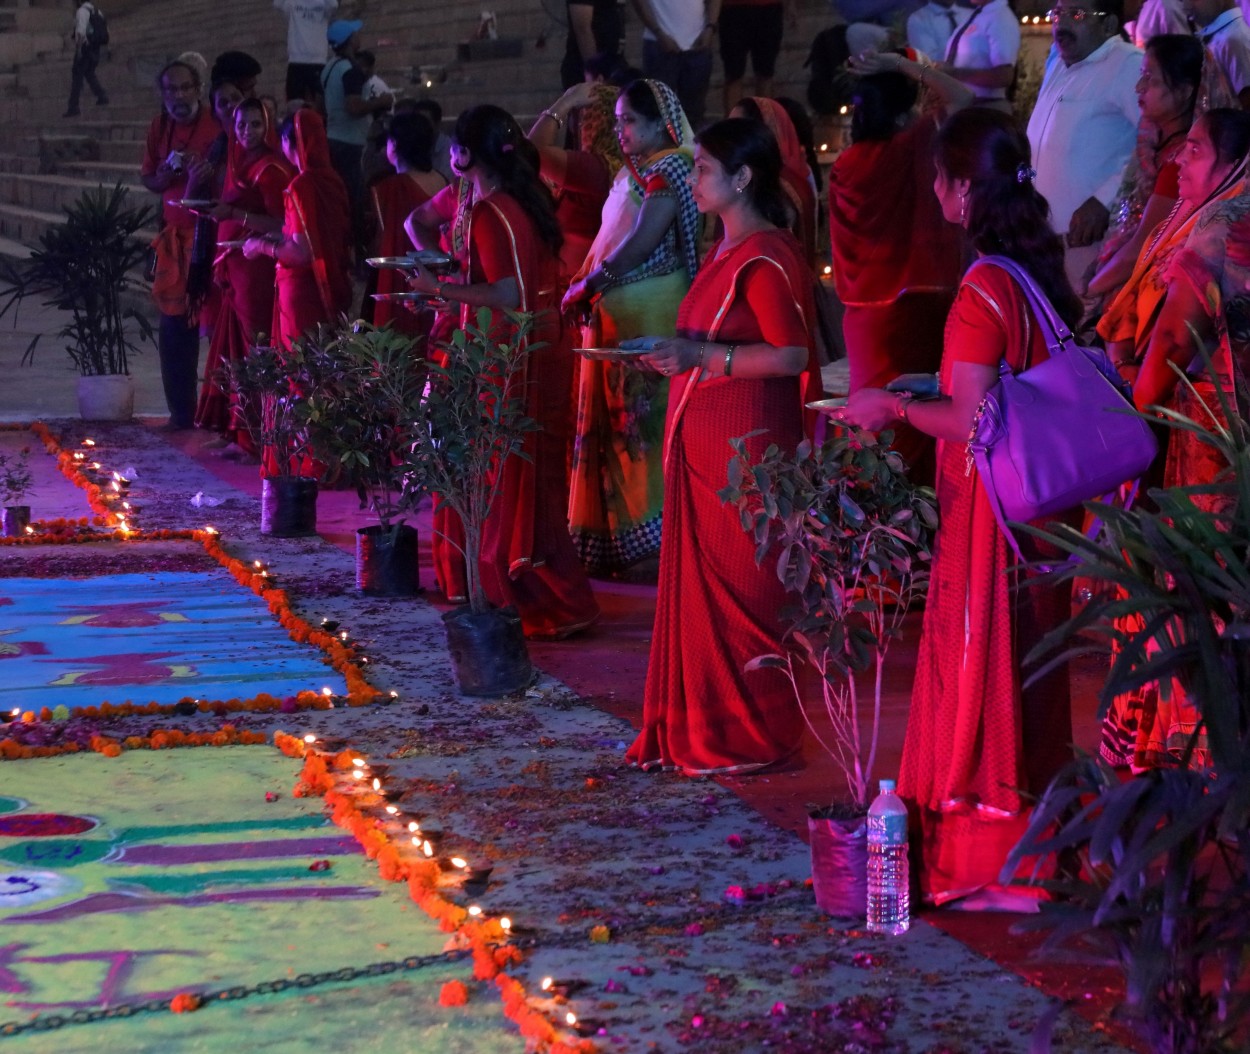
[251,203]
[512,241]
[896,261]
[409,149]
[977,739]
[796,177]
[313,251]
[742,362]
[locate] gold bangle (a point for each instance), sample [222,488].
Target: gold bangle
[901,404]
[729,359]
[555,117]
[702,349]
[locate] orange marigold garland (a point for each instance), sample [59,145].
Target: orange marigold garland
[184,1003]
[486,938]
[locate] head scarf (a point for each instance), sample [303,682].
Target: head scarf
[671,113]
[321,207]
[312,148]
[598,127]
[793,160]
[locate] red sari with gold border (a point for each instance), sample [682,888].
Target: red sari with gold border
[317,208]
[528,560]
[716,609]
[975,736]
[394,198]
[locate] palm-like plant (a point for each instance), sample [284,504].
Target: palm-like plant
[82,266]
[851,537]
[1158,866]
[268,403]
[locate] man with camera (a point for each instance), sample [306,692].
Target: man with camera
[175,167]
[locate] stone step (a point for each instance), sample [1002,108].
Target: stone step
[51,194]
[19,163]
[107,172]
[25,225]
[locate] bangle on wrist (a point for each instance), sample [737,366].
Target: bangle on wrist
[901,403]
[612,277]
[555,117]
[702,350]
[729,359]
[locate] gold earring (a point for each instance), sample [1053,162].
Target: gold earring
[963,207]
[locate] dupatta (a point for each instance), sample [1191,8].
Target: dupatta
[795,174]
[319,201]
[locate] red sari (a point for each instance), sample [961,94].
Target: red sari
[317,208]
[579,182]
[896,264]
[975,736]
[247,286]
[394,198]
[716,609]
[528,560]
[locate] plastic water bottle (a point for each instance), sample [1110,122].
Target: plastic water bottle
[889,897]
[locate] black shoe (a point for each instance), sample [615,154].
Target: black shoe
[102,102]
[70,113]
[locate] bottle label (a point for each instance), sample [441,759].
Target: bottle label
[888,830]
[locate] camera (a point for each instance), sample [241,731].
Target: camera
[175,160]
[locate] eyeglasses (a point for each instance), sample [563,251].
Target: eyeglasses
[1075,14]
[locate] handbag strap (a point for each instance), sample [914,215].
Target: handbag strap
[1047,317]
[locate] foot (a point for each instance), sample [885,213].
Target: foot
[70,113]
[102,102]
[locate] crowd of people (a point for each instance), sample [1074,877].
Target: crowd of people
[622,220]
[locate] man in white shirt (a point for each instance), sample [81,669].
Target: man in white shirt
[677,48]
[982,52]
[1155,18]
[86,58]
[307,22]
[1084,125]
[1222,28]
[930,28]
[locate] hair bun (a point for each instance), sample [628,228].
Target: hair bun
[1024,174]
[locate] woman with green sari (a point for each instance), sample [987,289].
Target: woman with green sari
[633,280]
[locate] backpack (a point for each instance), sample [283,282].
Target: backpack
[97,28]
[831,83]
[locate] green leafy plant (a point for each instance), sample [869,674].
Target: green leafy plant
[850,536]
[365,389]
[1155,874]
[472,421]
[82,266]
[268,402]
[15,477]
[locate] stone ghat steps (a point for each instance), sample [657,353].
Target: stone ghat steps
[106,143]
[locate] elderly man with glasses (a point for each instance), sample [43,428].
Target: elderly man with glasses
[175,167]
[1084,125]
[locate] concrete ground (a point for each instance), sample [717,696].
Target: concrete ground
[535,785]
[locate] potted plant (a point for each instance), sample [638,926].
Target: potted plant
[365,387]
[472,421]
[82,266]
[15,481]
[267,402]
[850,535]
[1154,870]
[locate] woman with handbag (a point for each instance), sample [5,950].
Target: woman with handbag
[976,736]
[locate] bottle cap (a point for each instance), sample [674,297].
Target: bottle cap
[887,786]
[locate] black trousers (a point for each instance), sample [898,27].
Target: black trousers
[179,346]
[86,59]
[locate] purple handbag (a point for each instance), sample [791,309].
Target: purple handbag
[1059,433]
